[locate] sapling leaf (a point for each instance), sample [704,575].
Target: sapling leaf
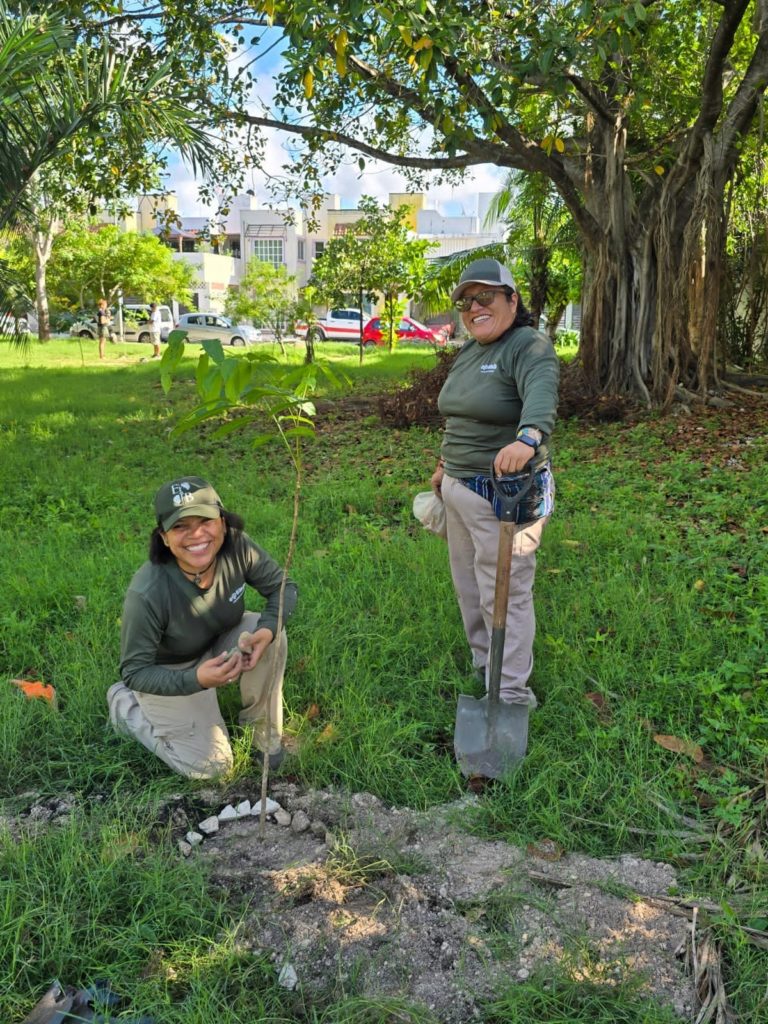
[214,350]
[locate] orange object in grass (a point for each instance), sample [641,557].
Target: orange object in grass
[34,689]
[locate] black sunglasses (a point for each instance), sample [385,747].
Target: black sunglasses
[485,298]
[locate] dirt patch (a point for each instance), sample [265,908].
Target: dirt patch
[348,893]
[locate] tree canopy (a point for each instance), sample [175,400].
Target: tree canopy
[266,293]
[637,113]
[86,113]
[88,265]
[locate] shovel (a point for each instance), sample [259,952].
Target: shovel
[491,736]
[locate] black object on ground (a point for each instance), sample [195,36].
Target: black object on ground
[67,1005]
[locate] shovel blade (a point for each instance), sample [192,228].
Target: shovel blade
[489,739]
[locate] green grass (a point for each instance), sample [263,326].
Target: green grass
[651,592]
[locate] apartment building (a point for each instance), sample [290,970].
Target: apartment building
[219,251]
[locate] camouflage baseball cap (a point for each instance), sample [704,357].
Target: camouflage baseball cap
[187,496]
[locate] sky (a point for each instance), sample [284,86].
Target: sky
[378,179]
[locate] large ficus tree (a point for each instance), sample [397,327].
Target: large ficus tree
[635,111]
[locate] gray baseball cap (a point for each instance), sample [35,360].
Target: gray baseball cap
[187,496]
[483,272]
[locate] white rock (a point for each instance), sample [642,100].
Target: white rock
[272,807]
[300,822]
[243,808]
[283,817]
[184,848]
[287,978]
[523,974]
[227,813]
[193,838]
[209,826]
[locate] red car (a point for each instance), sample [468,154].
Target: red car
[407,330]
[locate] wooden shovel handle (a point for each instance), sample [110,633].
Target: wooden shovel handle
[503,572]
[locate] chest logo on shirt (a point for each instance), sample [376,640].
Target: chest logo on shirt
[488,368]
[235,596]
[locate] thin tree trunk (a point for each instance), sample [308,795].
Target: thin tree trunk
[43,244]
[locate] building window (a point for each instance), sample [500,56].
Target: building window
[300,248]
[269,250]
[319,249]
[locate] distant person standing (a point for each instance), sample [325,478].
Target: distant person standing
[155,326]
[103,325]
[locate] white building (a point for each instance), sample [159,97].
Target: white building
[220,251]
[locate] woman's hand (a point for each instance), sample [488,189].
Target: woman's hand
[436,480]
[219,671]
[253,645]
[513,458]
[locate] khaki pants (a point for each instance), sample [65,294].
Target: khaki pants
[473,543]
[188,732]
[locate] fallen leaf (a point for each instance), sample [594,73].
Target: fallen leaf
[699,585]
[679,746]
[601,705]
[572,543]
[547,849]
[312,712]
[479,783]
[329,734]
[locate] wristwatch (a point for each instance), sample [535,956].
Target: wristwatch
[530,436]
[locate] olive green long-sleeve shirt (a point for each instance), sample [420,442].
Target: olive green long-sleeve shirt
[168,620]
[491,391]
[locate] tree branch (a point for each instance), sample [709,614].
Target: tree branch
[742,107]
[529,155]
[712,80]
[328,135]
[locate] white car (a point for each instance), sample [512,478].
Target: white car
[208,326]
[135,325]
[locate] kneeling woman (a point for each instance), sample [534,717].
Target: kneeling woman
[185,633]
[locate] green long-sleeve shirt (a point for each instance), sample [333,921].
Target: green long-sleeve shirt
[491,391]
[168,620]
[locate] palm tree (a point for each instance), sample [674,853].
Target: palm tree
[539,229]
[56,89]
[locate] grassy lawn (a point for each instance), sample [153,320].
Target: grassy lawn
[652,606]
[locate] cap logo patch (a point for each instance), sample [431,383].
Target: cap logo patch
[181,494]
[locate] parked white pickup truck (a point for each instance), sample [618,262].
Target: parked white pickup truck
[336,325]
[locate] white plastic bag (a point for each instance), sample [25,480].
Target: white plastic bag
[430,511]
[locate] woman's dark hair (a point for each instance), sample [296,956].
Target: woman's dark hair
[523,316]
[159,553]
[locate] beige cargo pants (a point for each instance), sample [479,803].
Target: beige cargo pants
[188,732]
[473,544]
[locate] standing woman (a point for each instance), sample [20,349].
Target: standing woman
[185,633]
[499,402]
[103,325]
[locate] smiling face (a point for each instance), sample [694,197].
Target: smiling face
[488,323]
[195,541]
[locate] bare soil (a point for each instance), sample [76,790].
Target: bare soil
[348,894]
